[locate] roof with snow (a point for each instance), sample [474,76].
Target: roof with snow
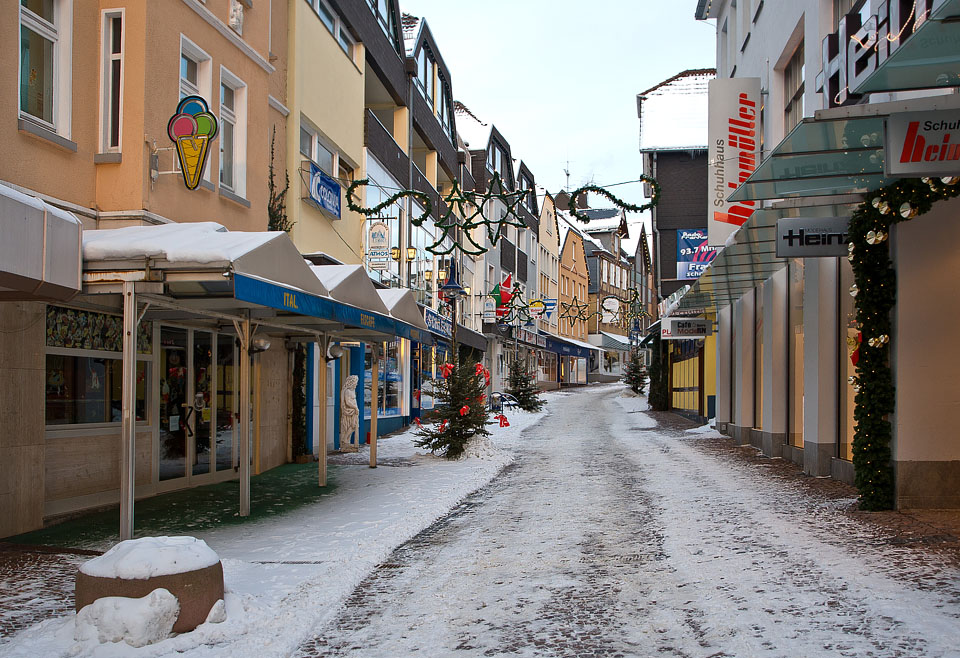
[411,29]
[474,133]
[673,113]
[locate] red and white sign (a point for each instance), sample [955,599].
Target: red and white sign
[734,152]
[923,144]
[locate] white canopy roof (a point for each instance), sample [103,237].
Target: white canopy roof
[351,285]
[403,306]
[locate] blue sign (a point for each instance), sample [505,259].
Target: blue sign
[694,255]
[437,323]
[324,191]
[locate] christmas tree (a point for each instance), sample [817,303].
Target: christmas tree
[636,375]
[659,397]
[461,410]
[521,385]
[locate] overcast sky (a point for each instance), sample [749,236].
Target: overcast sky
[559,78]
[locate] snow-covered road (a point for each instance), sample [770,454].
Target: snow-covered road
[610,536]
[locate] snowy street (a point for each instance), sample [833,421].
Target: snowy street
[609,536]
[610,531]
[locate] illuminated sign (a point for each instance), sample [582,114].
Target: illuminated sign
[923,144]
[734,144]
[862,43]
[192,129]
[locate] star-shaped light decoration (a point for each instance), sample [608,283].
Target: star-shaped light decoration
[517,309]
[575,311]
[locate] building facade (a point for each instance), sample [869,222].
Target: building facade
[789,336]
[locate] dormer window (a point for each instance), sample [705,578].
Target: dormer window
[495,159]
[527,185]
[425,80]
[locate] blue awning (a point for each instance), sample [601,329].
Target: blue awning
[273,295]
[565,348]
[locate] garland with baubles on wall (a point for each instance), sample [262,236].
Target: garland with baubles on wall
[875,293]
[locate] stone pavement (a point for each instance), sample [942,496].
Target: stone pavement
[931,531]
[36,583]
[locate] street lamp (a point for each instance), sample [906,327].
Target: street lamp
[395,253]
[452,291]
[411,253]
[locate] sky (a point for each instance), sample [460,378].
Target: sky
[560,83]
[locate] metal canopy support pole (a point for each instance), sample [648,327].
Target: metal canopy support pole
[127,416]
[322,393]
[374,400]
[244,335]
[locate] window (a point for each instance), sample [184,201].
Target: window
[233,131]
[495,159]
[111,80]
[83,367]
[843,7]
[334,23]
[195,70]
[425,75]
[326,157]
[45,66]
[390,380]
[793,90]
[387,19]
[527,184]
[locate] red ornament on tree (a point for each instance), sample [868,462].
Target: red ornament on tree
[446,369]
[464,410]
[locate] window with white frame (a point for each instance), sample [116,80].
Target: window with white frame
[195,74]
[334,23]
[233,132]
[324,154]
[45,62]
[111,80]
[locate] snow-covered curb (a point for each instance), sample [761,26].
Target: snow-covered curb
[286,576]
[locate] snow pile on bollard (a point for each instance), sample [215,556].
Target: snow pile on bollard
[138,622]
[143,590]
[151,556]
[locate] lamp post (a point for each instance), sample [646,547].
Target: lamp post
[452,291]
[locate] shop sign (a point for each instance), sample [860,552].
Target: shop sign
[923,144]
[733,130]
[685,328]
[437,323]
[858,47]
[191,129]
[324,191]
[378,245]
[694,255]
[812,237]
[489,310]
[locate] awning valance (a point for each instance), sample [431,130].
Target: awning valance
[39,249]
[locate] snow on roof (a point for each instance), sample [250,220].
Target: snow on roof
[411,30]
[475,133]
[673,114]
[603,219]
[202,242]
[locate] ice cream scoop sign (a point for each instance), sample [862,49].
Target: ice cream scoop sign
[192,129]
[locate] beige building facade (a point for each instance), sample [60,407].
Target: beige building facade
[93,86]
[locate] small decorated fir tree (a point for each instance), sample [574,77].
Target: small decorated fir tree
[636,374]
[521,385]
[461,409]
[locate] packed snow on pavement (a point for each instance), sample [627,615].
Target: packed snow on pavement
[286,575]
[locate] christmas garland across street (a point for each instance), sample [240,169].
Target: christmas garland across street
[875,293]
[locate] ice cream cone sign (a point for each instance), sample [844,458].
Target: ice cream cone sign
[192,129]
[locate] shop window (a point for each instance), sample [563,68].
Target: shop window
[758,359]
[88,389]
[111,80]
[390,384]
[848,344]
[795,378]
[84,374]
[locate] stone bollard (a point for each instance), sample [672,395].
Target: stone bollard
[185,566]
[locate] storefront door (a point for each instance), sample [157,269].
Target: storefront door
[197,424]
